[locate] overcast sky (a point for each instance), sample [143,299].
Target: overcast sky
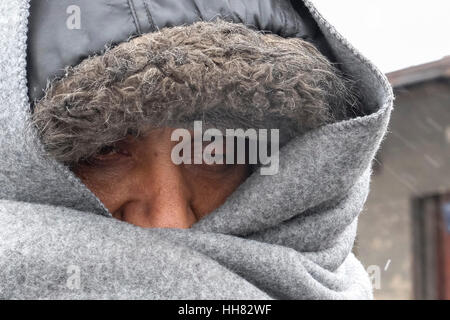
[394,34]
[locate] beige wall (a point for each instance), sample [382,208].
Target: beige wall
[414,160]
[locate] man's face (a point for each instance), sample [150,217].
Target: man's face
[138,182]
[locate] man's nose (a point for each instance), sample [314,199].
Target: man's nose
[162,198]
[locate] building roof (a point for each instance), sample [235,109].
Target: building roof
[424,72]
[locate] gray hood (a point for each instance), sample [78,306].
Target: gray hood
[284,236]
[54,45]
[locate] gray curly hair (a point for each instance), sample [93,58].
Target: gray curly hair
[217,70]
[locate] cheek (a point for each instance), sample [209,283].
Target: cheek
[110,187]
[210,191]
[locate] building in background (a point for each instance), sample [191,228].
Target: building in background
[404,230]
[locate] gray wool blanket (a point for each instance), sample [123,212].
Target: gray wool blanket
[286,236]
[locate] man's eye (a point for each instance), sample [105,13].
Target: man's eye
[107,150]
[217,168]
[110,152]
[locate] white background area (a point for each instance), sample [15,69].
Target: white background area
[394,34]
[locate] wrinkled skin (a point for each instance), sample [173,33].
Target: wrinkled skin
[138,183]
